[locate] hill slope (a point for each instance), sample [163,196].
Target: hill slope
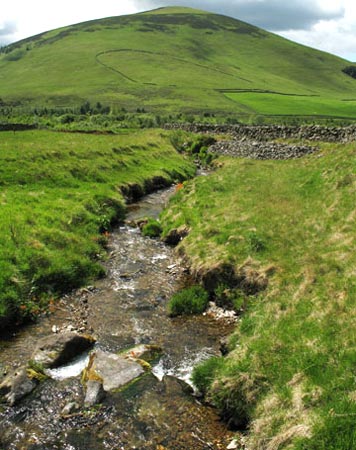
[172,59]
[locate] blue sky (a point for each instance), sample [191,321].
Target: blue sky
[328,25]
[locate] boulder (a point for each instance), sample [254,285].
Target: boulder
[176,387]
[17,385]
[112,371]
[94,393]
[59,349]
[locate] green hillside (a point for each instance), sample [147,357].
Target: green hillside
[175,59]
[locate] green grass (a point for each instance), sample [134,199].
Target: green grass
[291,372]
[60,195]
[168,60]
[152,228]
[191,300]
[203,375]
[291,105]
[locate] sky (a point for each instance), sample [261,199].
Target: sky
[328,25]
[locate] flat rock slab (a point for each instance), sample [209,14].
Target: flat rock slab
[113,370]
[58,349]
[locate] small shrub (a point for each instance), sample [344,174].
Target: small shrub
[350,70]
[205,157]
[201,142]
[238,303]
[152,228]
[204,374]
[67,118]
[192,300]
[15,55]
[221,295]
[178,139]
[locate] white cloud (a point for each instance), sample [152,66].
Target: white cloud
[335,36]
[36,16]
[7,29]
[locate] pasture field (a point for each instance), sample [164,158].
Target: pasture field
[270,104]
[60,195]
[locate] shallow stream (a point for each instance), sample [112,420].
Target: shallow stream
[126,308]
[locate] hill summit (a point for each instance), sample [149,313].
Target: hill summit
[172,59]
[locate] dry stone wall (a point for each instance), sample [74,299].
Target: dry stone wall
[246,148]
[270,132]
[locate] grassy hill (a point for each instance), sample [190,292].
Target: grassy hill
[175,59]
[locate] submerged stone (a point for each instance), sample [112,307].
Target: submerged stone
[69,408]
[145,352]
[174,386]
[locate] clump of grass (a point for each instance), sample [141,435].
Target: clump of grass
[228,297]
[152,228]
[192,300]
[36,371]
[204,374]
[195,145]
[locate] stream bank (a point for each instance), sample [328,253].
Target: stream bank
[126,308]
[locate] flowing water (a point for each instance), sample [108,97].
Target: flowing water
[127,308]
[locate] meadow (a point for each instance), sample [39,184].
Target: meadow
[274,104]
[287,229]
[60,195]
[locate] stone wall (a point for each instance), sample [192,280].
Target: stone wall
[246,148]
[269,132]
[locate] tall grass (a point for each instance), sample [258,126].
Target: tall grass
[290,373]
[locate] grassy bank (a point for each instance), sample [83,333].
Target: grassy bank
[290,374]
[60,194]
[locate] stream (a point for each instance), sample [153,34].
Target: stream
[127,308]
